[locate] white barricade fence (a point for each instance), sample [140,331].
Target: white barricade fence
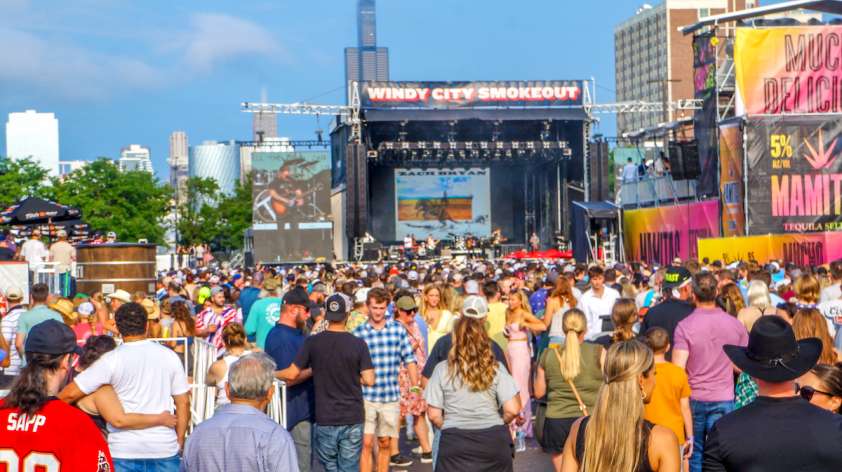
[277,408]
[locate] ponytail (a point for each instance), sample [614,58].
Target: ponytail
[29,391]
[624,315]
[574,323]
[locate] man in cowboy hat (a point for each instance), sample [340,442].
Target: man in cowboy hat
[779,431]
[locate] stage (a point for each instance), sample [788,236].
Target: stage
[437,159]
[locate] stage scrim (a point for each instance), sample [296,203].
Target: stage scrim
[442,202]
[291,198]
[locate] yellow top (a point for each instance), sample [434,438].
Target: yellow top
[665,407]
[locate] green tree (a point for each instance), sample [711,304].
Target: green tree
[21,178]
[132,204]
[235,216]
[198,217]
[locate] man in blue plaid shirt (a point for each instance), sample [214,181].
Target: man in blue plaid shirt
[390,347]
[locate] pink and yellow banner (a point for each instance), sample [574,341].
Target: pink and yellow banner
[789,70]
[811,249]
[731,185]
[660,234]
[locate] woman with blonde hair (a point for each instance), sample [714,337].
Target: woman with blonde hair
[236,346]
[570,376]
[624,316]
[519,321]
[470,398]
[615,437]
[435,313]
[759,304]
[810,323]
[559,302]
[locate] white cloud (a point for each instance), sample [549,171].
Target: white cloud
[61,68]
[216,38]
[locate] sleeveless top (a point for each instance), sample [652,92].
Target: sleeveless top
[556,325]
[643,465]
[221,397]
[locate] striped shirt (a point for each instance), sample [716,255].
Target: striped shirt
[209,316]
[389,347]
[10,328]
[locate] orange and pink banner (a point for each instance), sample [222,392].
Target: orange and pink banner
[660,234]
[789,70]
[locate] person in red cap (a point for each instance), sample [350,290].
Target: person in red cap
[42,432]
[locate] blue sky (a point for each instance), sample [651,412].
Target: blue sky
[117,71]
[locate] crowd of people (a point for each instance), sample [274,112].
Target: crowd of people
[696,365]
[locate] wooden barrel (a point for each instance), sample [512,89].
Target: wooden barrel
[109,267]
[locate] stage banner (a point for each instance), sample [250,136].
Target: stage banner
[731,178]
[450,95]
[789,70]
[291,206]
[794,174]
[801,249]
[705,118]
[442,202]
[660,234]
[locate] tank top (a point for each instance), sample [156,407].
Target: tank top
[643,465]
[556,326]
[221,396]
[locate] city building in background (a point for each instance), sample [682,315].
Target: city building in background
[366,61]
[68,167]
[264,124]
[653,61]
[267,145]
[216,160]
[34,135]
[135,157]
[179,162]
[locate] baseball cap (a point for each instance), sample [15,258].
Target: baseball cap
[319,287]
[61,233]
[336,307]
[204,294]
[472,287]
[361,295]
[475,307]
[296,296]
[412,275]
[111,234]
[85,309]
[216,290]
[14,293]
[51,337]
[676,277]
[406,303]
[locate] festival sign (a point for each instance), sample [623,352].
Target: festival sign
[449,95]
[660,234]
[731,178]
[794,174]
[789,70]
[810,249]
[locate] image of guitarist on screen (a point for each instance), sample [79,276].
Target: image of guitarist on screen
[287,192]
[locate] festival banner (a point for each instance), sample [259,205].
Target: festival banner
[794,174]
[660,234]
[789,70]
[705,118]
[731,178]
[802,249]
[450,95]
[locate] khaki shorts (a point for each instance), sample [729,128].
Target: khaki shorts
[382,419]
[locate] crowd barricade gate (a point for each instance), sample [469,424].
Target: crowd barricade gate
[277,408]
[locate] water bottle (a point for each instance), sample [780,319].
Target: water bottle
[520,441]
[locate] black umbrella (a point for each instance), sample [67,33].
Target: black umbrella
[32,210]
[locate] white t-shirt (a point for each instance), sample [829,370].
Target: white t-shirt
[629,172]
[830,293]
[145,376]
[34,252]
[594,307]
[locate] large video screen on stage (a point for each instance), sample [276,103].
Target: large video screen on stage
[291,206]
[442,202]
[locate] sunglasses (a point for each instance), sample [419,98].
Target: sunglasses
[807,392]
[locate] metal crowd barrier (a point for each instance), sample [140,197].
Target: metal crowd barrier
[278,406]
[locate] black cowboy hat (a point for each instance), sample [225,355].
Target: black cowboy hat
[773,354]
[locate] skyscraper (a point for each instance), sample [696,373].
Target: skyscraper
[179,163]
[653,61]
[33,135]
[366,61]
[135,157]
[219,161]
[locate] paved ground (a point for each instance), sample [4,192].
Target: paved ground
[532,460]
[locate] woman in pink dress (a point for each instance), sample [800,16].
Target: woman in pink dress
[519,320]
[412,397]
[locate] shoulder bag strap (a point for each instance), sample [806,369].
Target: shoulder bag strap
[582,406]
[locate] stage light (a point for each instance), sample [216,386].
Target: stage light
[389,145]
[404,145]
[515,145]
[483,144]
[469,145]
[474,153]
[461,154]
[436,145]
[427,154]
[422,145]
[530,145]
[500,145]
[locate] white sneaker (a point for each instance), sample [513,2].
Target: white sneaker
[417,450]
